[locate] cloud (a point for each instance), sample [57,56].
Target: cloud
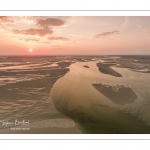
[35,40]
[58,38]
[45,23]
[32,31]
[43,41]
[5,18]
[106,33]
[31,39]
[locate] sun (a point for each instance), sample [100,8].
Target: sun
[30,50]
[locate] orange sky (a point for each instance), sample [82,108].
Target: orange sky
[74,35]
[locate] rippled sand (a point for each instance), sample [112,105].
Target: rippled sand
[25,85]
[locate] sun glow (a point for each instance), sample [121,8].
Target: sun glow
[30,50]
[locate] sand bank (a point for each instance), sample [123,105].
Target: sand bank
[105,68]
[119,94]
[85,66]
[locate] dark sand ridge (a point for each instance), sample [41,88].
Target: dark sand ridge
[64,64]
[105,68]
[119,94]
[85,66]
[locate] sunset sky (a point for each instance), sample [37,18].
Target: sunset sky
[74,35]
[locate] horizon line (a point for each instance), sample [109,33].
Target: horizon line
[74,10]
[83,55]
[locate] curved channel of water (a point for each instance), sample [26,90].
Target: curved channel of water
[75,96]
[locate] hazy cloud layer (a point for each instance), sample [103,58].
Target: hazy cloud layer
[58,38]
[45,23]
[106,33]
[32,31]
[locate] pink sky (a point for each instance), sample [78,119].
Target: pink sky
[74,35]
